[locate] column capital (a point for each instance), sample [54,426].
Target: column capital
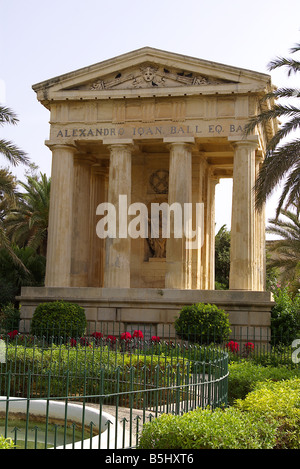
[179,140]
[112,142]
[251,141]
[61,146]
[212,177]
[99,169]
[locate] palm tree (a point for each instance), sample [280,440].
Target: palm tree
[27,224]
[285,252]
[14,155]
[282,159]
[10,151]
[8,199]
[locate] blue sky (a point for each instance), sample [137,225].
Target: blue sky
[41,40]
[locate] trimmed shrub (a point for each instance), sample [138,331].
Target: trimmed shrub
[58,319]
[203,323]
[207,429]
[280,402]
[244,376]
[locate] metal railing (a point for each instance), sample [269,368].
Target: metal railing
[99,394]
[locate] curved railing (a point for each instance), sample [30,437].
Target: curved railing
[127,384]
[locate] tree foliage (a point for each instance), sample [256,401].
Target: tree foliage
[27,223]
[282,161]
[284,253]
[12,153]
[222,258]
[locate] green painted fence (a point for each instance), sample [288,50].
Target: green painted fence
[125,384]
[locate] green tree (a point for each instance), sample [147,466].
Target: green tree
[284,253]
[8,200]
[29,271]
[282,161]
[27,224]
[14,156]
[222,258]
[8,149]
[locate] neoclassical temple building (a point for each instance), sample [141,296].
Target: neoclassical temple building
[155,128]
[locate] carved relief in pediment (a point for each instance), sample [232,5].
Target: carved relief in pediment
[151,76]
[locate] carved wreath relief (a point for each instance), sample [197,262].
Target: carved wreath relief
[150,76]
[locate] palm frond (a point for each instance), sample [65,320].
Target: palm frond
[12,153]
[281,93]
[7,116]
[287,128]
[295,48]
[284,253]
[276,165]
[292,65]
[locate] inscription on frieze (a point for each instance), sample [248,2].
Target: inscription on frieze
[149,131]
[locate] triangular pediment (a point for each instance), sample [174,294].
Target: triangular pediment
[148,69]
[149,76]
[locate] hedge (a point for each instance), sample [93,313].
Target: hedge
[244,376]
[268,418]
[207,429]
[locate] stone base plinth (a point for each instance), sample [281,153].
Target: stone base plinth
[249,312]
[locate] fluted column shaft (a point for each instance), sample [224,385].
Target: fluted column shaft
[242,255]
[117,263]
[58,268]
[98,195]
[178,258]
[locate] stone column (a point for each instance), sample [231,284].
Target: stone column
[98,195]
[178,258]
[242,253]
[208,277]
[117,263]
[212,182]
[260,254]
[82,221]
[198,183]
[58,268]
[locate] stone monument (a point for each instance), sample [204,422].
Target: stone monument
[155,128]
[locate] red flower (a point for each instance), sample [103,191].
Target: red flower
[249,346]
[155,338]
[126,336]
[233,346]
[73,342]
[84,341]
[111,338]
[97,335]
[12,334]
[138,334]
